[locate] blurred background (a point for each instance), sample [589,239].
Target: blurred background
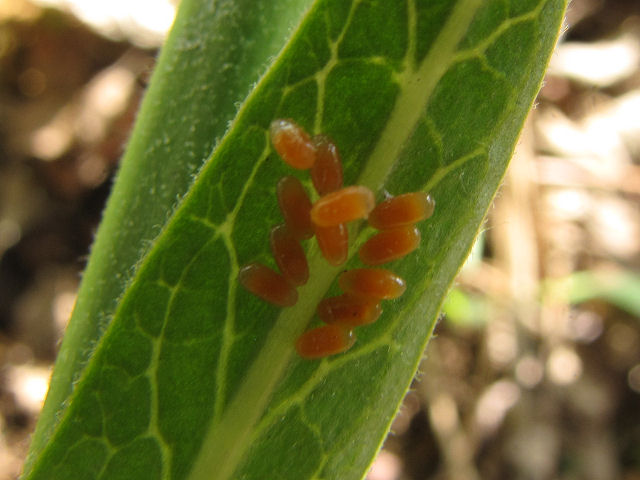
[534,372]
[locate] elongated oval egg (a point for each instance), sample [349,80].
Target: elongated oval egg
[334,243]
[324,341]
[344,205]
[348,310]
[389,245]
[405,209]
[295,206]
[292,143]
[267,284]
[289,255]
[326,173]
[372,283]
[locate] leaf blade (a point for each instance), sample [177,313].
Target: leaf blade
[241,416]
[247,344]
[149,198]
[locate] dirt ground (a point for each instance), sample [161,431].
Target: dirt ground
[535,369]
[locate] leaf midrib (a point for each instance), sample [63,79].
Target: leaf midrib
[226,441]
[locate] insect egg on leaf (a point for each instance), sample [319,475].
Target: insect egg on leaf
[333,243]
[348,310]
[326,172]
[372,283]
[295,206]
[267,284]
[389,245]
[403,210]
[289,255]
[292,143]
[341,206]
[324,341]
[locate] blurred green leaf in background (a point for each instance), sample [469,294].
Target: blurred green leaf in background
[618,287]
[169,369]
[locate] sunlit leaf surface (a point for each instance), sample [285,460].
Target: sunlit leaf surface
[195,377]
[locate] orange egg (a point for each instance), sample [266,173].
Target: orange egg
[293,144]
[326,172]
[341,206]
[324,341]
[333,243]
[348,310]
[372,283]
[289,255]
[402,210]
[267,284]
[295,206]
[389,245]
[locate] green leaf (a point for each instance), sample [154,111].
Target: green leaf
[196,378]
[619,288]
[188,107]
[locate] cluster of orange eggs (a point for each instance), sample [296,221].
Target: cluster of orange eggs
[363,288]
